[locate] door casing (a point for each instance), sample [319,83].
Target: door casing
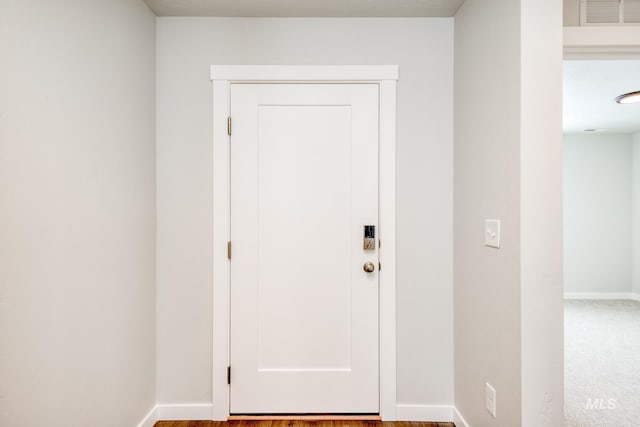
[383,75]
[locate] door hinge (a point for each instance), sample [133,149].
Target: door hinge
[229,375]
[229,125]
[379,266]
[229,250]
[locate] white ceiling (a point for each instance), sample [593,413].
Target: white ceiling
[590,88]
[305,8]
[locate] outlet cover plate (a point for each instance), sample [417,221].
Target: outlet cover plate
[490,399]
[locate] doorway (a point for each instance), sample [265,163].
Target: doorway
[601,187]
[319,328]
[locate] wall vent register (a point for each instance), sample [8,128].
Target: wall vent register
[609,12]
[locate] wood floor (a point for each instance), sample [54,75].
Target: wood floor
[296,423]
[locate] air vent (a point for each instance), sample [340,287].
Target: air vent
[631,13]
[609,12]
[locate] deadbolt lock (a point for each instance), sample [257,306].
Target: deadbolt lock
[369,238]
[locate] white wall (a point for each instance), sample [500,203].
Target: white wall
[507,152]
[598,176]
[77,213]
[635,214]
[486,177]
[541,296]
[422,48]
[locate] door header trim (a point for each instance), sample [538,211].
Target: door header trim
[304,72]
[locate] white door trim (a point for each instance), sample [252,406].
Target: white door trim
[593,43]
[386,77]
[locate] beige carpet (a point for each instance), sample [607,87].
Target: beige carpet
[602,363]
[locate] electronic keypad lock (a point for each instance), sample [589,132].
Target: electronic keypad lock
[369,240]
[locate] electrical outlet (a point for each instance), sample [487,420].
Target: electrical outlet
[490,399]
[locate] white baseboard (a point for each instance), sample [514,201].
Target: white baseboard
[204,411]
[602,295]
[150,419]
[185,411]
[435,413]
[458,420]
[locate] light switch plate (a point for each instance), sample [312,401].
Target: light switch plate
[492,233]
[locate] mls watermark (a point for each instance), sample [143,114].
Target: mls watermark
[599,404]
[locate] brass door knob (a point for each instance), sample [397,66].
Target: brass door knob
[369,267]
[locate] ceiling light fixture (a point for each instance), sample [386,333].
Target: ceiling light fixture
[629,98]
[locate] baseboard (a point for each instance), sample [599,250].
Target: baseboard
[435,413]
[185,411]
[204,411]
[458,420]
[150,419]
[602,295]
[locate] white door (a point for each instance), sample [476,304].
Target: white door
[304,312]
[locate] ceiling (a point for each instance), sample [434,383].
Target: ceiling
[590,88]
[305,8]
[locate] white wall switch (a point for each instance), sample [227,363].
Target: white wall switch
[492,233]
[490,399]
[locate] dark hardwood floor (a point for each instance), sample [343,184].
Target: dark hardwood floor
[297,423]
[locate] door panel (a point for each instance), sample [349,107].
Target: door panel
[304,313]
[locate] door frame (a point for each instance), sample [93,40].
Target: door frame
[385,76]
